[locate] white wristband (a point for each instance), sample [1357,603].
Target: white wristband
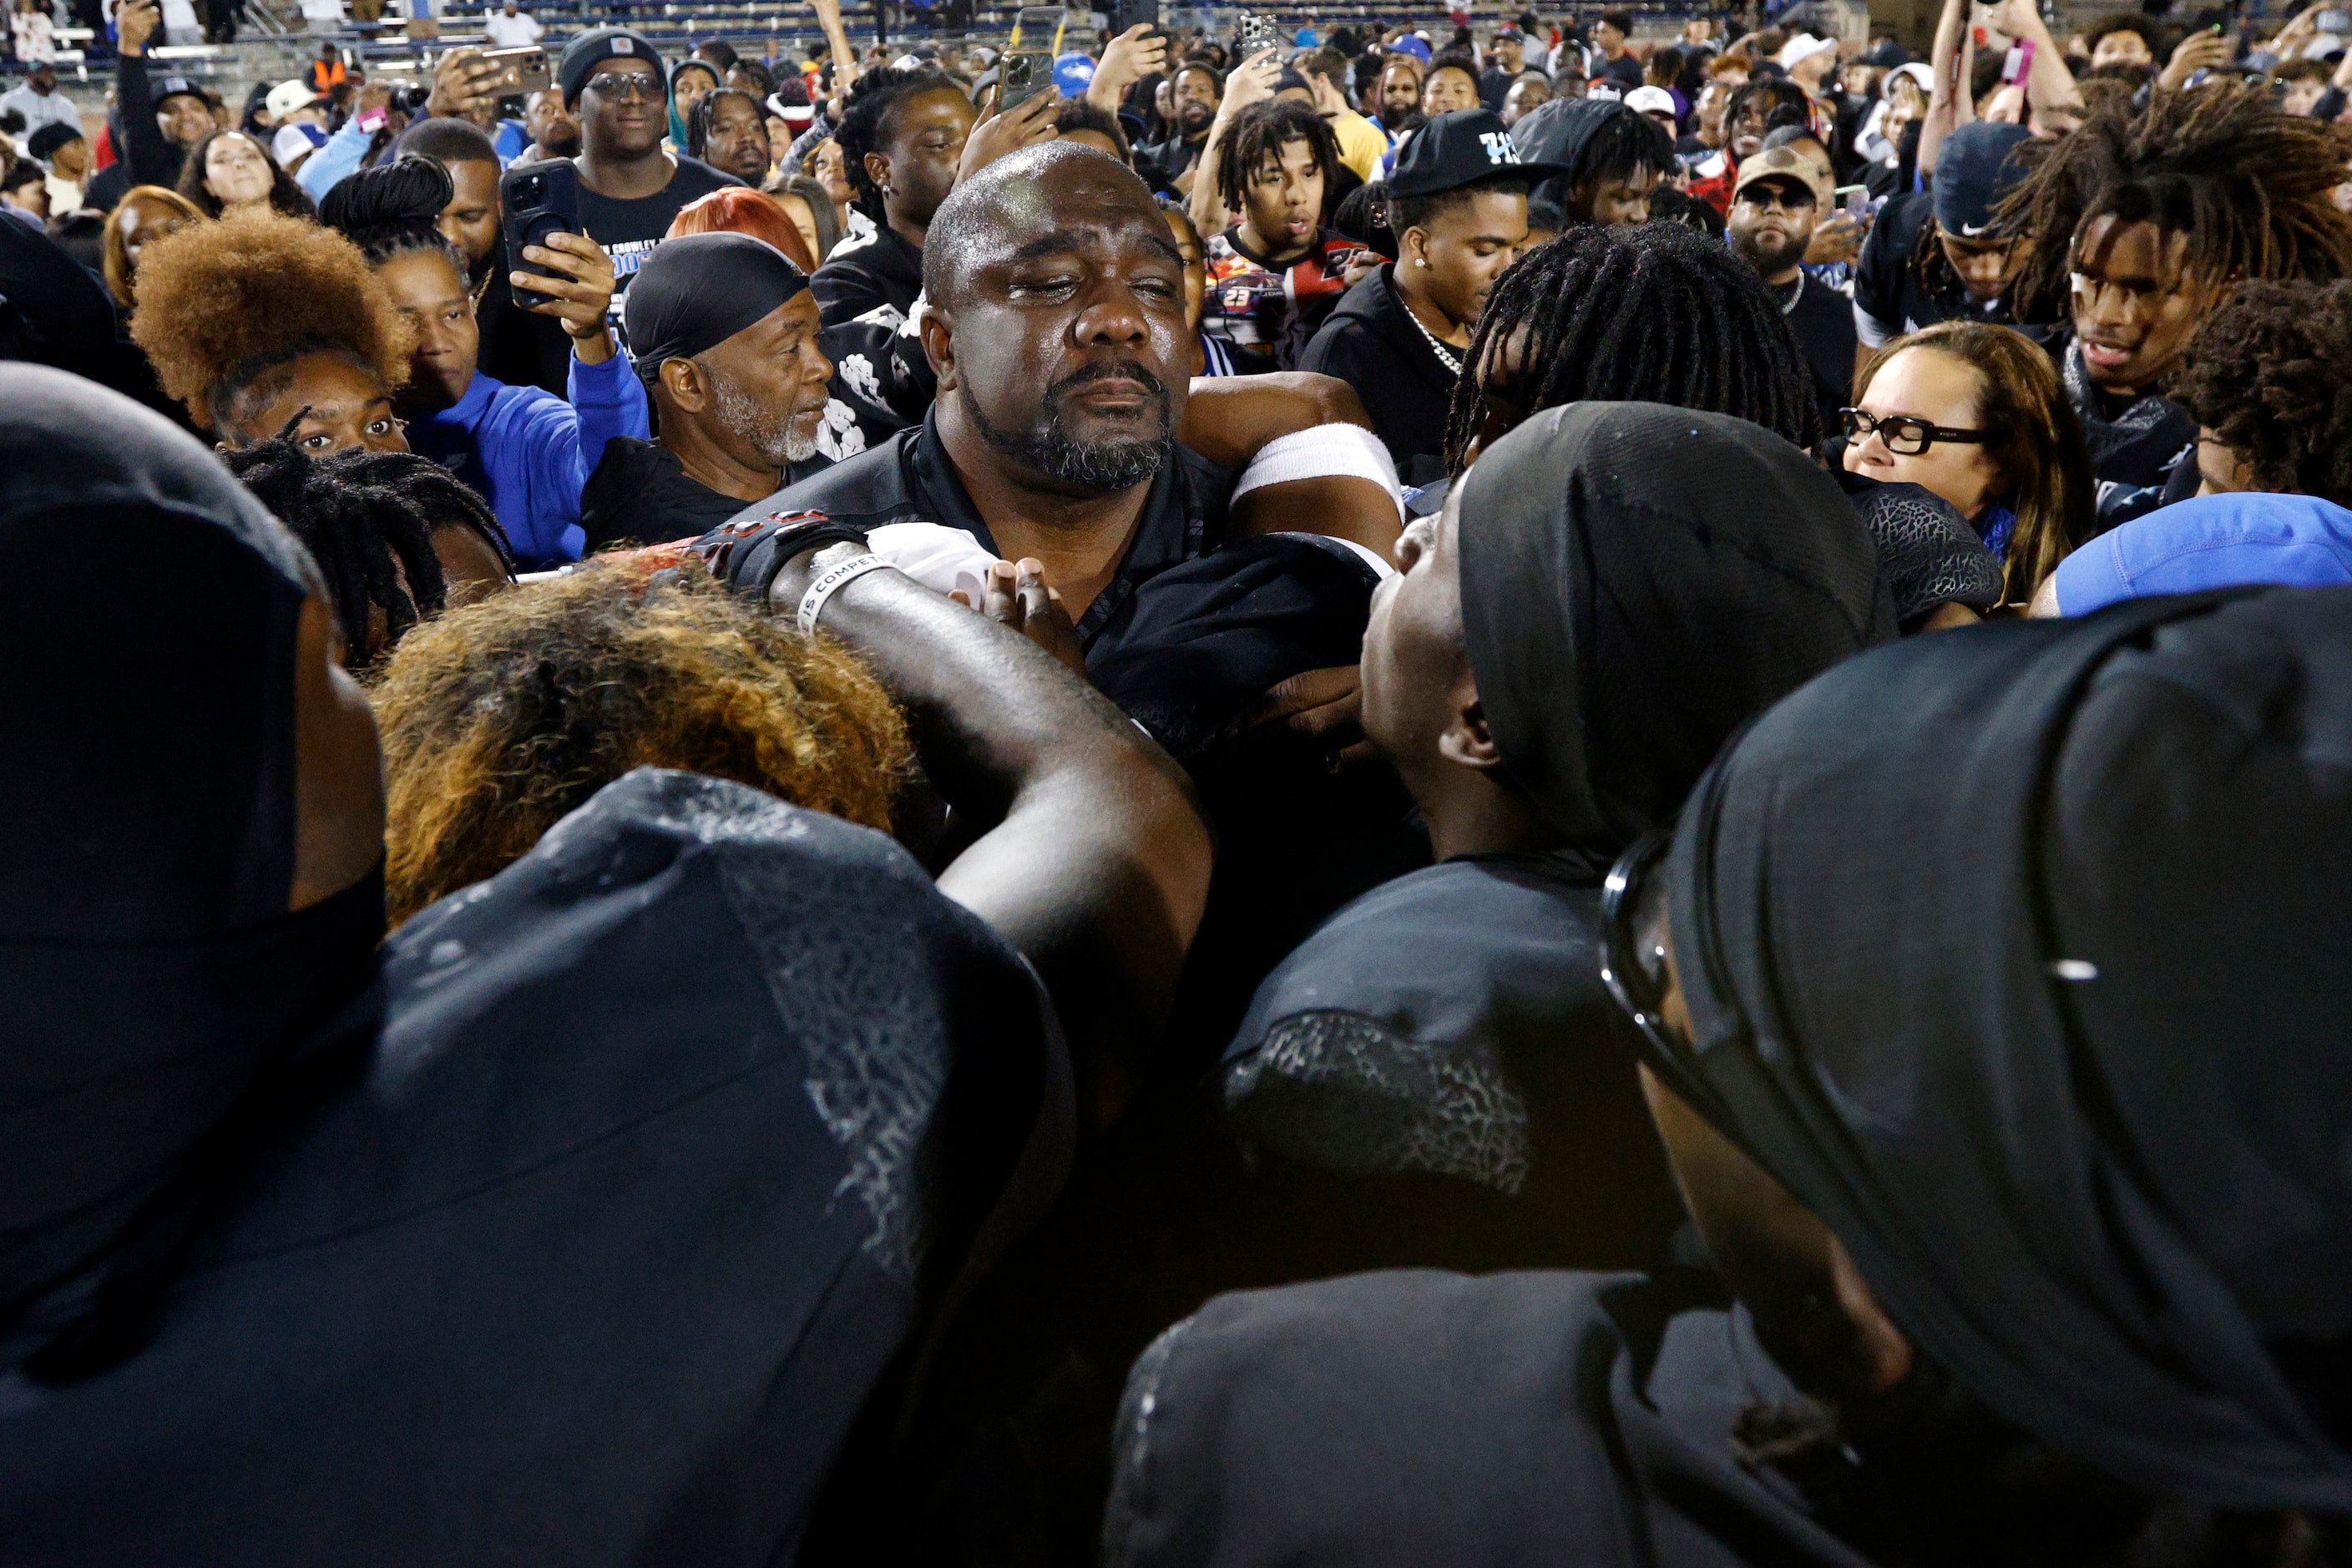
[829,584]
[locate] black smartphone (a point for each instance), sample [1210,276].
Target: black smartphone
[1126,14]
[537,200]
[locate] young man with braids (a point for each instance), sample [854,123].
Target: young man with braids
[1656,314]
[902,138]
[1277,273]
[2165,210]
[1609,157]
[395,537]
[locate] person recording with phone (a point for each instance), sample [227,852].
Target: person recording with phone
[155,122]
[528,453]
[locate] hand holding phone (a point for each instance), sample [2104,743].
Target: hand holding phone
[540,201]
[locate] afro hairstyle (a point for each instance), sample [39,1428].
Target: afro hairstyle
[217,306]
[2266,374]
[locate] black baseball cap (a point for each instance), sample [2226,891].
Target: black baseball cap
[1460,148]
[592,49]
[177,87]
[1976,168]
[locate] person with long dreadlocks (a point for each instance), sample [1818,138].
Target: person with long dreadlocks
[527,452]
[395,537]
[1662,314]
[1655,314]
[2165,210]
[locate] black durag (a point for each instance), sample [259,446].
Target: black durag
[2019,954]
[698,290]
[1637,582]
[150,971]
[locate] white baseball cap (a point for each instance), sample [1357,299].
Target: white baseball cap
[1650,100]
[288,96]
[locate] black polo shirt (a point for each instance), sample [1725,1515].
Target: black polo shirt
[909,479]
[864,275]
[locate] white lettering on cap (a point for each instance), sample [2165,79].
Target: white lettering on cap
[1499,147]
[623,46]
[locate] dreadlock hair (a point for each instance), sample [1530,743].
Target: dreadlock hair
[699,119]
[1420,212]
[368,518]
[865,121]
[1622,145]
[219,306]
[2266,374]
[284,195]
[1654,314]
[1364,216]
[1777,94]
[1261,131]
[501,716]
[1668,205]
[393,209]
[2249,187]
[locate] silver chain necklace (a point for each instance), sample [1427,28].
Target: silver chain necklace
[1446,356]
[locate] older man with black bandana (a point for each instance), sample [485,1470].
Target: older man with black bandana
[724,332]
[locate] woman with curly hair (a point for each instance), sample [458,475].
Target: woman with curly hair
[2146,221]
[501,718]
[2265,379]
[229,171]
[265,325]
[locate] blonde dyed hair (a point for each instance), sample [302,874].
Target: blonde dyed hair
[500,717]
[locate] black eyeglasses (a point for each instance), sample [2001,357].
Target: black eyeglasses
[1905,436]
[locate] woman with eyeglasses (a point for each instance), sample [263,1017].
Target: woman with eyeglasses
[1435,1078]
[1976,415]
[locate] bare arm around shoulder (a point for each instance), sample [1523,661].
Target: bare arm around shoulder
[1095,863]
[1229,418]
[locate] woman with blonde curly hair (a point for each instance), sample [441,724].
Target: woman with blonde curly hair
[266,325]
[502,718]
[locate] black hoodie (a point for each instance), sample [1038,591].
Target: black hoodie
[1372,343]
[862,274]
